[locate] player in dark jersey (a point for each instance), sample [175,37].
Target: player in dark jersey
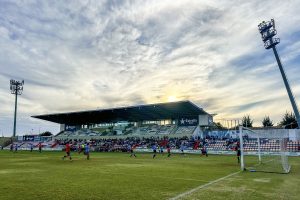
[154,147]
[16,148]
[68,151]
[182,147]
[87,151]
[40,147]
[169,150]
[204,151]
[161,149]
[238,151]
[31,147]
[81,149]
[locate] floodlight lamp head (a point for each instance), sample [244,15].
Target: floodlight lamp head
[264,26]
[273,22]
[16,87]
[268,34]
[268,31]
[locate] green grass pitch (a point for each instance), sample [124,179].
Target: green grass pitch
[33,175]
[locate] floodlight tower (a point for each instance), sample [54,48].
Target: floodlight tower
[16,88]
[268,31]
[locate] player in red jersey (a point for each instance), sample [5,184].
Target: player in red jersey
[40,147]
[169,150]
[132,147]
[68,151]
[79,149]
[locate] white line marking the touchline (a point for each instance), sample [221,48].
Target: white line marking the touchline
[202,186]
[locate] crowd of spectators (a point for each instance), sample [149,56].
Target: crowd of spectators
[122,145]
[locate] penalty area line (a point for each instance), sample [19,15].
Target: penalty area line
[202,186]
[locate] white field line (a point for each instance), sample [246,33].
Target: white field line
[202,186]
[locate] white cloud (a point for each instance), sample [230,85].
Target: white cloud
[80,55]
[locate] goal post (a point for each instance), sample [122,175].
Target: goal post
[264,151]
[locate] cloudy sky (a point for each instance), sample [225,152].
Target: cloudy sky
[79,55]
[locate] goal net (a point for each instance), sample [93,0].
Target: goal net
[264,151]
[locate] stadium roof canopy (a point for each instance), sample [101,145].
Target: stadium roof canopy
[150,112]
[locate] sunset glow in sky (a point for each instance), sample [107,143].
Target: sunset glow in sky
[83,55]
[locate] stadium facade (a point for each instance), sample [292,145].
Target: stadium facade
[179,114]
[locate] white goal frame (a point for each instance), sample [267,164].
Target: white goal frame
[283,154]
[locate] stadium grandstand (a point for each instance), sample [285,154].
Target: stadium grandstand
[181,118]
[176,124]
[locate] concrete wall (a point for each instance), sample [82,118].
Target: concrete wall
[205,120]
[62,127]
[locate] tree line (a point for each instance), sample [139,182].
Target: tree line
[288,121]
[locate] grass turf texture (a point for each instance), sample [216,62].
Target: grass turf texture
[26,175]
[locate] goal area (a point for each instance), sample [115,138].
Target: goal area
[263,151]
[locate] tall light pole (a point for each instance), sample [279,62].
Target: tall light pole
[268,31]
[16,88]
